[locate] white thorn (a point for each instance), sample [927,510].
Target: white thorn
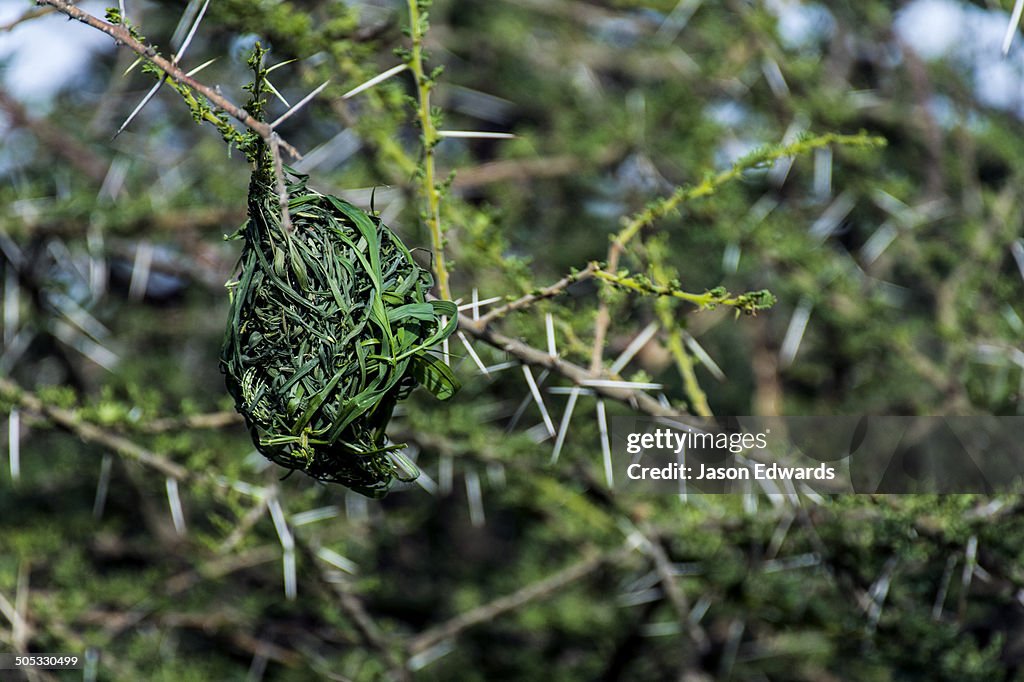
[445,354]
[277,66]
[174,501]
[535,391]
[303,102]
[1011,29]
[290,581]
[614,383]
[445,474]
[314,515]
[703,357]
[427,483]
[145,100]
[563,428]
[102,486]
[634,347]
[472,354]
[475,497]
[676,21]
[280,524]
[478,304]
[1017,249]
[476,134]
[376,79]
[795,332]
[191,34]
[201,67]
[140,271]
[502,365]
[606,449]
[11,309]
[337,560]
[549,323]
[14,443]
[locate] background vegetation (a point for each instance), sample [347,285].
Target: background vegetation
[137,522]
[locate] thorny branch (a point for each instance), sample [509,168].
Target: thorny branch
[90,433]
[537,590]
[547,292]
[367,629]
[123,37]
[578,375]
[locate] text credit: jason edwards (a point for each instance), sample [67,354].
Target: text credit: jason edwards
[668,454]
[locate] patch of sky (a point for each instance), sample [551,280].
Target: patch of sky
[801,24]
[970,37]
[41,57]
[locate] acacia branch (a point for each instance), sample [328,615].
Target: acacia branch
[578,375]
[366,628]
[547,292]
[123,36]
[90,433]
[529,593]
[431,192]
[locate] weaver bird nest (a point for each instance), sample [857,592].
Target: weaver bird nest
[329,328]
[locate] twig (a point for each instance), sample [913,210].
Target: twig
[708,186]
[491,610]
[663,566]
[281,186]
[91,433]
[210,420]
[429,188]
[123,37]
[578,375]
[604,316]
[27,16]
[547,292]
[363,623]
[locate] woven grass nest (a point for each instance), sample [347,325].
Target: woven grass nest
[329,328]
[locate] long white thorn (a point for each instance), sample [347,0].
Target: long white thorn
[472,353]
[102,486]
[174,502]
[1011,29]
[301,103]
[703,357]
[445,354]
[177,57]
[476,134]
[475,305]
[145,100]
[634,347]
[539,399]
[14,443]
[475,497]
[795,332]
[550,325]
[376,79]
[284,534]
[563,428]
[606,448]
[191,34]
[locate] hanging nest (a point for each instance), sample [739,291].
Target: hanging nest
[329,328]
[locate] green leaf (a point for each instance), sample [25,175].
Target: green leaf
[434,375]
